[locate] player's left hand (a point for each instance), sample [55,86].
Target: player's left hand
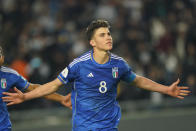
[178,91]
[67,101]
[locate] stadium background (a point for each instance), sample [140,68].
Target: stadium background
[156,37]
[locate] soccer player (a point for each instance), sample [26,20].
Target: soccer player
[9,79]
[95,75]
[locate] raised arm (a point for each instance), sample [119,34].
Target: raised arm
[43,90]
[172,90]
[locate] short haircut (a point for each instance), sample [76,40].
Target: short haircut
[1,51]
[95,25]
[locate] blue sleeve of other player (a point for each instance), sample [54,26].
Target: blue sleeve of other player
[21,83]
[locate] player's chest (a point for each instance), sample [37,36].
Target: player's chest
[5,83]
[100,76]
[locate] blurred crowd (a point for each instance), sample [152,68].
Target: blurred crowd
[156,37]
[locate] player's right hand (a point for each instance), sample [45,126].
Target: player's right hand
[13,98]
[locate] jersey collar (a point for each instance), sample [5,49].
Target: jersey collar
[94,62]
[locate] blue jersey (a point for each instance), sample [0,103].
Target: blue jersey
[9,78]
[94,105]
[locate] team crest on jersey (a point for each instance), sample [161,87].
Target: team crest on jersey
[115,72]
[3,83]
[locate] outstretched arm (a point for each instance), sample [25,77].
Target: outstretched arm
[54,97]
[43,90]
[172,90]
[64,100]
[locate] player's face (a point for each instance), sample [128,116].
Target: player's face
[102,39]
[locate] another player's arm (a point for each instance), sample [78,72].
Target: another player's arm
[64,100]
[43,90]
[54,97]
[172,90]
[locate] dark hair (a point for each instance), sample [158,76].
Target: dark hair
[95,25]
[1,51]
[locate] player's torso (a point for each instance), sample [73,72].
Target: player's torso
[7,81]
[95,92]
[98,80]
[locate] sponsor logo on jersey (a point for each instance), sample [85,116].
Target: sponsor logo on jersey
[90,75]
[3,83]
[115,72]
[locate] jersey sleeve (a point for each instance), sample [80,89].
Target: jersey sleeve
[21,83]
[128,75]
[69,74]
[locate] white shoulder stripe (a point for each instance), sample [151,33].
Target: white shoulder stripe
[9,70]
[116,57]
[76,61]
[82,58]
[113,55]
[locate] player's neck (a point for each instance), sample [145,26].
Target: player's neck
[101,57]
